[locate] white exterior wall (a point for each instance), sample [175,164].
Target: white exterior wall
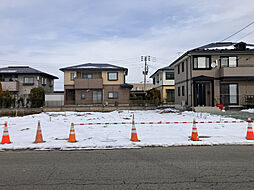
[162,79]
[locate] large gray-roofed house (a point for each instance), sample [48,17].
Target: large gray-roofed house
[216,73]
[19,80]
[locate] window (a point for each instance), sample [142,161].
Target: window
[43,81]
[112,75]
[160,77]
[112,95]
[201,63]
[170,95]
[157,78]
[228,62]
[179,91]
[178,68]
[169,76]
[153,80]
[137,88]
[182,66]
[83,96]
[72,76]
[51,82]
[183,94]
[28,80]
[87,76]
[229,94]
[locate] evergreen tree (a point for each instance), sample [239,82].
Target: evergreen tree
[37,97]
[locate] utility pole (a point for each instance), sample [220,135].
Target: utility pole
[145,72]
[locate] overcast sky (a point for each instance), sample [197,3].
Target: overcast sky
[50,34]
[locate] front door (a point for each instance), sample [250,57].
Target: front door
[200,94]
[97,96]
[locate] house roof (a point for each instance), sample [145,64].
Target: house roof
[167,68]
[95,67]
[219,47]
[24,70]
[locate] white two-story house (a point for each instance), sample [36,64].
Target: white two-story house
[163,80]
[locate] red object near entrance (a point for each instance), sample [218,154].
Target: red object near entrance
[219,106]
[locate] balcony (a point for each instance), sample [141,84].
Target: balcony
[88,83]
[10,86]
[236,71]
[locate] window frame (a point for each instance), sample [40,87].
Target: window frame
[44,81]
[228,87]
[87,74]
[83,95]
[113,79]
[114,93]
[182,66]
[183,91]
[197,68]
[236,58]
[28,83]
[72,76]
[170,73]
[178,69]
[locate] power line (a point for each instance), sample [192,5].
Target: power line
[245,35]
[238,31]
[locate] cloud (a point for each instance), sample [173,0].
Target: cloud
[49,35]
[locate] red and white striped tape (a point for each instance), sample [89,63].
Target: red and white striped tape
[147,123]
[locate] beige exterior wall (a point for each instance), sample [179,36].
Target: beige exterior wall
[98,82]
[120,80]
[67,77]
[164,92]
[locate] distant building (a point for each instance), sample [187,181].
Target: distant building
[139,87]
[19,80]
[163,80]
[96,83]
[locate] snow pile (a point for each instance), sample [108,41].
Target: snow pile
[248,110]
[56,127]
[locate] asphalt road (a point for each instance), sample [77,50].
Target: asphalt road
[193,167]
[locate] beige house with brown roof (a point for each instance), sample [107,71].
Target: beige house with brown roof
[96,84]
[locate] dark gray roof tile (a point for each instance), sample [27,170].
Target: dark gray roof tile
[24,70]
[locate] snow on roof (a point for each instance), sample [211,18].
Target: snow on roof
[220,48]
[8,71]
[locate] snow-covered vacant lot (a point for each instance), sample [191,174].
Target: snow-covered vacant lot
[56,128]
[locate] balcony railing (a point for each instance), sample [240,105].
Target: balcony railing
[88,83]
[236,71]
[11,86]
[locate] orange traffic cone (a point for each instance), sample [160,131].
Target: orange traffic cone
[134,136]
[38,138]
[194,135]
[6,137]
[250,135]
[72,137]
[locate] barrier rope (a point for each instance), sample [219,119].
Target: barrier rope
[143,123]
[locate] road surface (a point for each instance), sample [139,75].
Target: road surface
[193,167]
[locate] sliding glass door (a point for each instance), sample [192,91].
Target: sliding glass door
[229,94]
